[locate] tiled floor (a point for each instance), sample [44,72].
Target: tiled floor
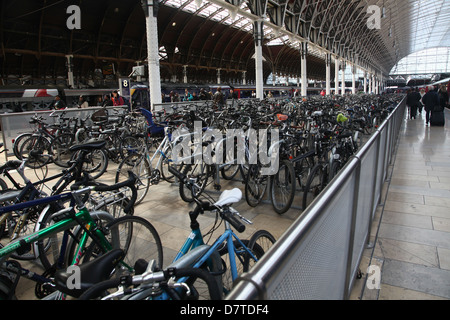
[412,242]
[412,245]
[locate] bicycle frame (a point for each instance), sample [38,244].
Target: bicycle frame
[82,217]
[195,239]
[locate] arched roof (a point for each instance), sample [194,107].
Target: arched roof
[209,35]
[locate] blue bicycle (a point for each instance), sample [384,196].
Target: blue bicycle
[195,254]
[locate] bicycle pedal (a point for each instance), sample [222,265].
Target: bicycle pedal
[217,187]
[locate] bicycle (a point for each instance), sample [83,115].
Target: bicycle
[92,237]
[239,251]
[195,257]
[47,146]
[144,163]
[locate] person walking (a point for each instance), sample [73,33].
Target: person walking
[430,100]
[413,101]
[410,104]
[443,97]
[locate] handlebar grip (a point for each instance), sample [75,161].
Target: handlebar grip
[236,223]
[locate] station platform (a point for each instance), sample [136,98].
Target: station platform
[411,234]
[410,237]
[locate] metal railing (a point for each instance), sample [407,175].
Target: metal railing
[319,255]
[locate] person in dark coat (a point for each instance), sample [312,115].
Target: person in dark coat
[443,97]
[430,100]
[413,102]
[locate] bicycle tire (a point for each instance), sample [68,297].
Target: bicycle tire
[48,250]
[334,169]
[18,143]
[282,187]
[255,185]
[140,166]
[314,185]
[95,164]
[129,145]
[166,161]
[3,185]
[61,152]
[42,148]
[136,236]
[263,238]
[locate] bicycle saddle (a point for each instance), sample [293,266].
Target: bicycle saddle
[90,273]
[92,145]
[229,197]
[10,165]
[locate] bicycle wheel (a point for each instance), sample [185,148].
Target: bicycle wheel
[334,169]
[229,170]
[96,162]
[199,172]
[302,170]
[61,151]
[130,145]
[136,237]
[314,185]
[263,238]
[255,185]
[167,161]
[18,141]
[282,187]
[140,166]
[49,250]
[37,150]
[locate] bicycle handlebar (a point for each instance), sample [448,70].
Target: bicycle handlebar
[130,183]
[151,277]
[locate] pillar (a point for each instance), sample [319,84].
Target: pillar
[303,54]
[258,35]
[151,12]
[365,82]
[328,74]
[336,75]
[343,78]
[185,80]
[353,79]
[69,64]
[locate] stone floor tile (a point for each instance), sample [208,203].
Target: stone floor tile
[444,258]
[428,280]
